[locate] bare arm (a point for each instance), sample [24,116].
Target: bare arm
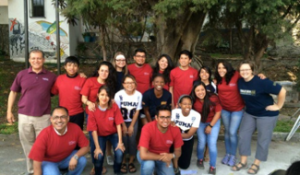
[147,113]
[91,105]
[191,132]
[97,147]
[120,143]
[146,155]
[131,126]
[171,91]
[37,167]
[11,100]
[81,152]
[213,122]
[280,101]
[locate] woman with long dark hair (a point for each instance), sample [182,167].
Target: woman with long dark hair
[232,104]
[105,124]
[205,77]
[207,104]
[104,74]
[163,66]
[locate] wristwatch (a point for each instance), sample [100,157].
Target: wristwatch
[75,157]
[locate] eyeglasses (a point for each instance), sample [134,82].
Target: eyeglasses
[165,117]
[120,60]
[140,56]
[243,70]
[128,83]
[63,117]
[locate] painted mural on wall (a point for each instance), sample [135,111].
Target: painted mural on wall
[42,35]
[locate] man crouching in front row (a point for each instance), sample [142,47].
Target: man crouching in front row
[54,147]
[155,141]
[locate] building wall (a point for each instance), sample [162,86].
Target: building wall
[3,15]
[3,2]
[42,31]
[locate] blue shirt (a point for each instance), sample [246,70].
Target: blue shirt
[151,101]
[256,95]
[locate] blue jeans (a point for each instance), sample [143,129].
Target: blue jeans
[52,168]
[210,139]
[148,166]
[231,121]
[98,163]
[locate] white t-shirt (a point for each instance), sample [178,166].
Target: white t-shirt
[185,123]
[128,104]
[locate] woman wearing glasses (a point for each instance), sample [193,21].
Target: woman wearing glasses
[129,101]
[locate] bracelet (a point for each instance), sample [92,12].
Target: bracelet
[210,125]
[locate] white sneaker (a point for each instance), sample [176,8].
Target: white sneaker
[110,160]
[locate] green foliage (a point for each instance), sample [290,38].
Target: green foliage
[284,126]
[8,129]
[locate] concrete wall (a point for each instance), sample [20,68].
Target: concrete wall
[42,31]
[3,2]
[3,15]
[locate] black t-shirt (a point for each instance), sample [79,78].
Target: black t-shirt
[150,100]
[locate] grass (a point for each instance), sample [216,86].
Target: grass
[284,126]
[8,129]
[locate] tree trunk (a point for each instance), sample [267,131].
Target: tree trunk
[175,35]
[102,42]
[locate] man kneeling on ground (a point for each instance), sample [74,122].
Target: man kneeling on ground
[156,139]
[54,147]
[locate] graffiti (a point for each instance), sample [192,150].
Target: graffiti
[41,35]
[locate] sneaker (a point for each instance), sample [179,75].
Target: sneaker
[225,159]
[200,164]
[177,171]
[231,160]
[212,170]
[110,160]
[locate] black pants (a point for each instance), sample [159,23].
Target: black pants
[78,119]
[186,154]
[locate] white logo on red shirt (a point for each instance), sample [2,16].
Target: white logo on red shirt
[71,143]
[111,118]
[146,73]
[77,88]
[46,79]
[232,84]
[191,76]
[169,142]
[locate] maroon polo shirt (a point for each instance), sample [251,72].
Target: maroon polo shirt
[35,91]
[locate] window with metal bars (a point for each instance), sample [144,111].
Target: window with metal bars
[38,8]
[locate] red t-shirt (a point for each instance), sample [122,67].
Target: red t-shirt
[105,122]
[198,106]
[229,95]
[49,146]
[158,142]
[68,90]
[90,89]
[142,75]
[182,81]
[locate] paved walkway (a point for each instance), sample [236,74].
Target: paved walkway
[281,155]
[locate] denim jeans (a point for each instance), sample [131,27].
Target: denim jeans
[231,121]
[210,139]
[52,168]
[114,140]
[148,166]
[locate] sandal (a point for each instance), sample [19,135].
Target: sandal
[254,170]
[131,168]
[92,172]
[124,168]
[239,166]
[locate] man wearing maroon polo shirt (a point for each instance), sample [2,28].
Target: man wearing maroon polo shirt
[34,105]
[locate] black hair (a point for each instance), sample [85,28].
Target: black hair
[158,75]
[139,50]
[163,108]
[183,97]
[166,72]
[111,80]
[294,169]
[228,75]
[206,101]
[60,107]
[186,52]
[208,70]
[72,59]
[109,93]
[37,51]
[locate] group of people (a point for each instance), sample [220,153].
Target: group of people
[151,114]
